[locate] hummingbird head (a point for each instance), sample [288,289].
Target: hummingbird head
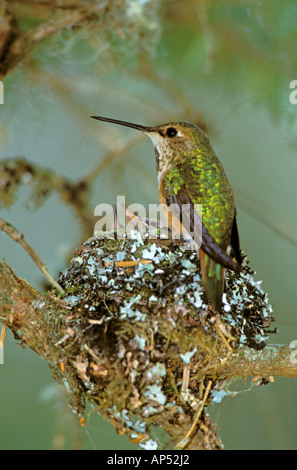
[171,141]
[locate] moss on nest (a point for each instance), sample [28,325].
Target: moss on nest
[132,330]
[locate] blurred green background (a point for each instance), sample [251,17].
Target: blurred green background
[226,65]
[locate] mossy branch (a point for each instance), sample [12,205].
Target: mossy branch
[18,47]
[28,314]
[143,360]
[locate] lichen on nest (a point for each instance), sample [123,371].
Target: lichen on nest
[139,315]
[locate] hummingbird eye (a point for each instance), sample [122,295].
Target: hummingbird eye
[171,132]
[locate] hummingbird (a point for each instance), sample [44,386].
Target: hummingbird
[190,173]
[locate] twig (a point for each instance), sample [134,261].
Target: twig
[22,46]
[109,157]
[2,336]
[182,444]
[43,181]
[18,237]
[127,264]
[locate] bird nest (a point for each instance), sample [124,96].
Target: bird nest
[144,341]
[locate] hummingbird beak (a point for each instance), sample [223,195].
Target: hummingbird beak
[124,123]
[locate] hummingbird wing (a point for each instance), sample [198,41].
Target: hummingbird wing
[190,220]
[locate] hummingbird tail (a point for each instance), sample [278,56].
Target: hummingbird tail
[212,279]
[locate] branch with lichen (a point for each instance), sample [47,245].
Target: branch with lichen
[18,46]
[42,182]
[112,20]
[138,341]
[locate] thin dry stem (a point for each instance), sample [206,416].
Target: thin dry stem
[18,237]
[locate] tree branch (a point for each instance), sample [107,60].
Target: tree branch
[18,237]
